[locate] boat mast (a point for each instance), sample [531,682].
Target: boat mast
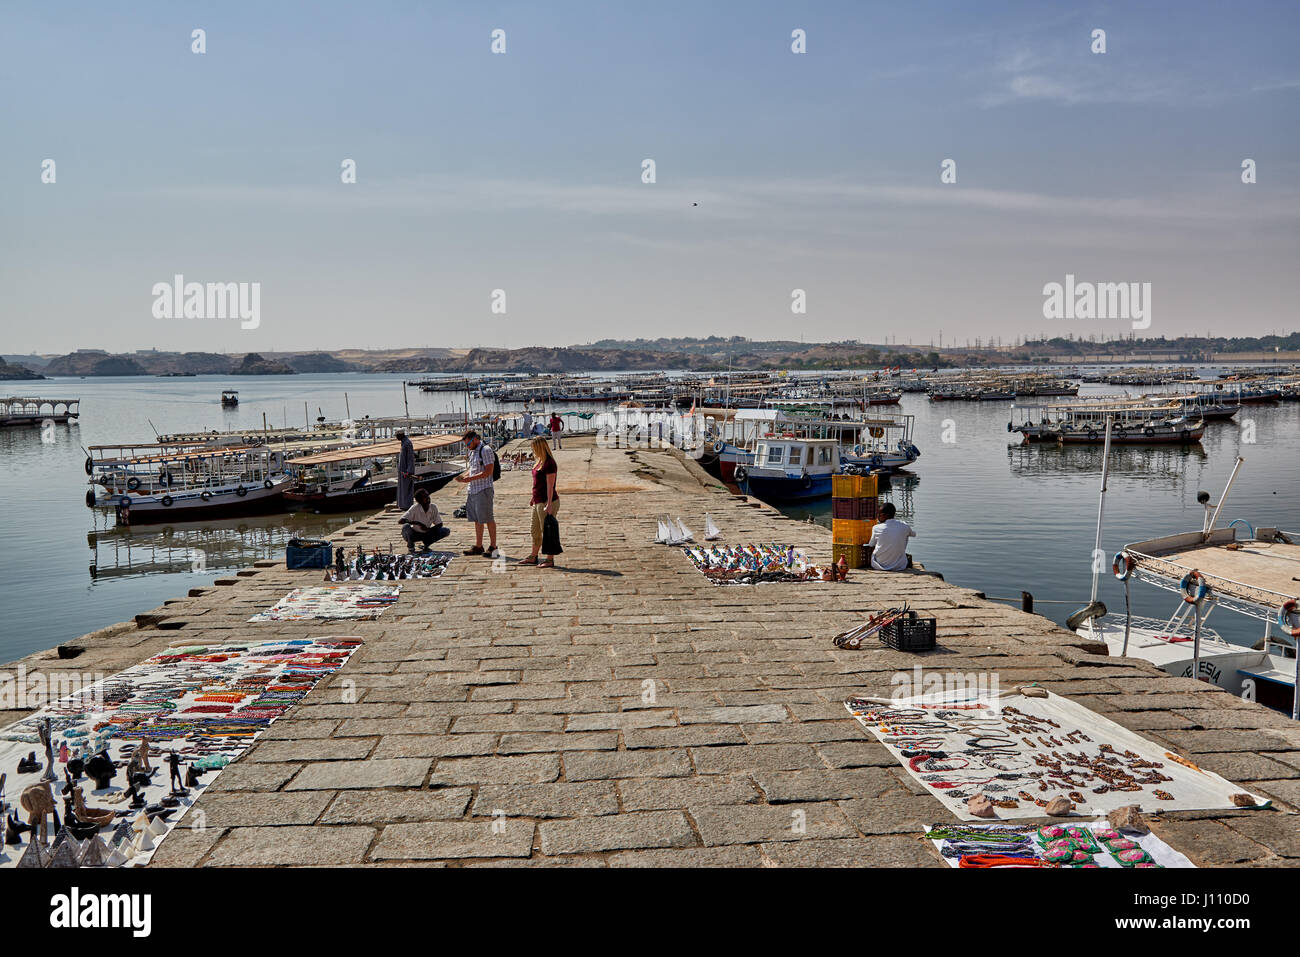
[1101,511]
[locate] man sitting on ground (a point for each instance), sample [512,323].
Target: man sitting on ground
[889,541]
[421,522]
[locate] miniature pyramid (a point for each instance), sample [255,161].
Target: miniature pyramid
[35,855]
[158,827]
[63,856]
[115,858]
[94,854]
[144,843]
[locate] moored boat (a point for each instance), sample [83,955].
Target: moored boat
[366,476]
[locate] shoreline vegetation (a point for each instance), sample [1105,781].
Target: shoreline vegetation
[713,354]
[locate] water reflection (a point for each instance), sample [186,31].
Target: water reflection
[121,551]
[1165,464]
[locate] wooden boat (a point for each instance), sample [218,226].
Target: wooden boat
[160,482]
[787,468]
[365,476]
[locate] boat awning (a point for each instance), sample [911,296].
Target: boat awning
[1261,573]
[421,443]
[187,455]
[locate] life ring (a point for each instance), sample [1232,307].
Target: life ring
[1122,565]
[718,446]
[241,491]
[167,501]
[90,499]
[740,473]
[124,502]
[268,484]
[1194,596]
[205,495]
[1283,614]
[876,432]
[133,483]
[90,465]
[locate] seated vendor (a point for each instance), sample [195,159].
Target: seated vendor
[889,541]
[421,522]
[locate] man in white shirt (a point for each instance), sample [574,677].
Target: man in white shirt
[421,522]
[889,541]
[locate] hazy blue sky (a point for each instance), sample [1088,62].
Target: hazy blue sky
[522,171]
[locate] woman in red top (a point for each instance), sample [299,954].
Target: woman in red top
[544,501]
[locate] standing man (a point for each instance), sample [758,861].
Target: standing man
[557,426]
[405,472]
[889,541]
[528,424]
[478,506]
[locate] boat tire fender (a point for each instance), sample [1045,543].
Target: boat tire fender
[1283,618]
[167,501]
[268,484]
[90,498]
[205,495]
[90,465]
[1194,587]
[740,473]
[1148,431]
[1122,566]
[133,483]
[241,491]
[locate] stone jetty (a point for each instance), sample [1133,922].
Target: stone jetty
[620,710]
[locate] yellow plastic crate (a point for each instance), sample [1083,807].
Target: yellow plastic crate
[847,531]
[853,486]
[855,556]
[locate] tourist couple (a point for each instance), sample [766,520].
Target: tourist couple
[480,475]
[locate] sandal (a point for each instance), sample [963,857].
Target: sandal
[549,563]
[527,561]
[476,550]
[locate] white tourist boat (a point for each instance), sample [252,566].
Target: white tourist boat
[365,476]
[162,482]
[1251,575]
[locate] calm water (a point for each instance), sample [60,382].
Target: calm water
[990,516]
[1003,518]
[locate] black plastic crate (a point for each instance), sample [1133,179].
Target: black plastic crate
[910,633]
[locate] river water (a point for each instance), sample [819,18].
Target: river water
[989,515]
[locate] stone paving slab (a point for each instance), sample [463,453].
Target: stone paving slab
[621,710]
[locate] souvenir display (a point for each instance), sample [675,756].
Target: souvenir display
[190,710]
[331,602]
[751,564]
[1032,756]
[390,566]
[1083,845]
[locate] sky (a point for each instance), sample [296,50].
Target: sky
[522,171]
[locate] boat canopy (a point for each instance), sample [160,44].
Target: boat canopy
[421,443]
[1256,571]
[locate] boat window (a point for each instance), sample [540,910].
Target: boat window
[796,455]
[774,455]
[824,456]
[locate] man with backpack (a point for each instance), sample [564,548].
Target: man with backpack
[482,471]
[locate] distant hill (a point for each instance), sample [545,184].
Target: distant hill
[34,362]
[94,362]
[15,372]
[254,364]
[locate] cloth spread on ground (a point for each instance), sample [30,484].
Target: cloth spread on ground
[1084,844]
[204,703]
[1022,752]
[331,602]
